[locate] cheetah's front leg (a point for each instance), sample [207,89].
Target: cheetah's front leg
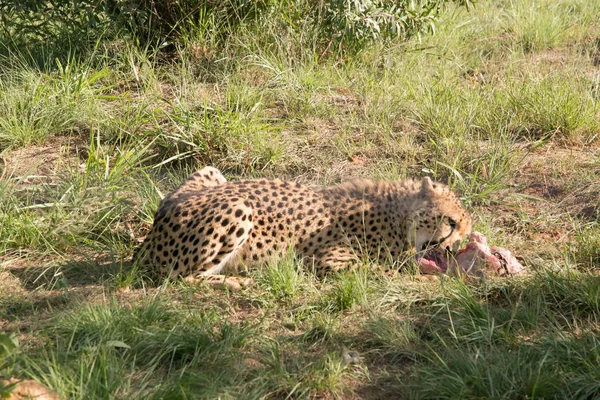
[234,283]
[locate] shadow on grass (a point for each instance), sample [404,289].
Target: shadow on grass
[84,273]
[26,309]
[501,339]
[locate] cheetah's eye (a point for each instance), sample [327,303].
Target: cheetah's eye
[452,223]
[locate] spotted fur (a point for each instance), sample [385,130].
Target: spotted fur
[208,223]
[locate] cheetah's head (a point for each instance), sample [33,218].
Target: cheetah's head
[440,219]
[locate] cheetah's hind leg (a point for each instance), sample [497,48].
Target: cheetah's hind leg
[205,177]
[216,245]
[211,274]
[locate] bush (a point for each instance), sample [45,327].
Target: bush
[156,18]
[351,23]
[60,22]
[339,26]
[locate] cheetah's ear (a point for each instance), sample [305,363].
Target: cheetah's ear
[427,186]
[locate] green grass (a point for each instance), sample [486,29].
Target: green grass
[284,279]
[349,290]
[502,104]
[532,340]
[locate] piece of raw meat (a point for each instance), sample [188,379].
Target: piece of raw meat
[477,258]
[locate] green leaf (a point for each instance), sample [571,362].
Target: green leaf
[7,344]
[117,344]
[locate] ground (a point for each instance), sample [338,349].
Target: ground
[502,104]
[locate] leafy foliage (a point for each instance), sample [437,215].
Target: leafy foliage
[353,22]
[338,25]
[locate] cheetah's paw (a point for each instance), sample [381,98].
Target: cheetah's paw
[233,283]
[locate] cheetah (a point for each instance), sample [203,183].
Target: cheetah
[208,223]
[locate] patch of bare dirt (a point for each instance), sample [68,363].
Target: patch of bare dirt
[315,157]
[10,284]
[38,164]
[555,187]
[568,178]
